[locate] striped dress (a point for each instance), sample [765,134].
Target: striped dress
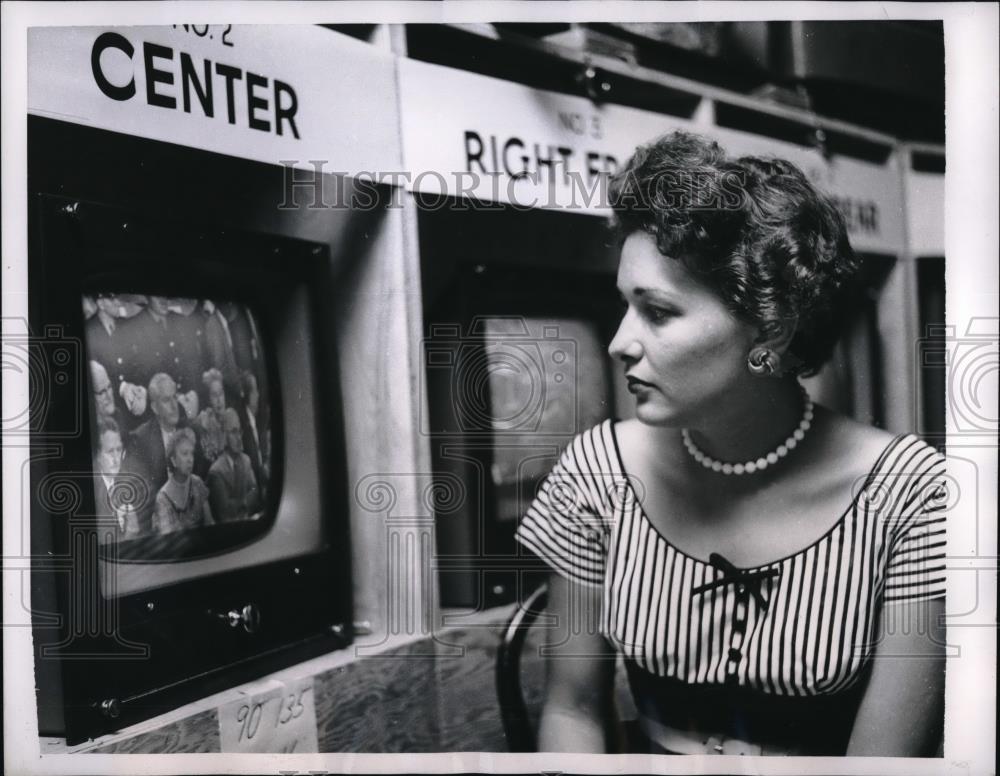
[800,626]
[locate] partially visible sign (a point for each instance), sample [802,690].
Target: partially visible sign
[262,92]
[468,135]
[868,195]
[473,136]
[278,718]
[925,212]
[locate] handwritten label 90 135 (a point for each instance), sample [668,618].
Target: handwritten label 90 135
[280,718]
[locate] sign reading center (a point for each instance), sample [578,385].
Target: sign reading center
[269,102]
[280,94]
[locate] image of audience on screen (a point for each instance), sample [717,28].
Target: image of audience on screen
[180,414]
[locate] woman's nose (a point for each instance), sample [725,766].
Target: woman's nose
[624,345]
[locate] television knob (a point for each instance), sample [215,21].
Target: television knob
[111,708]
[250,616]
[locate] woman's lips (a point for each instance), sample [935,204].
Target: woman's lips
[635,385]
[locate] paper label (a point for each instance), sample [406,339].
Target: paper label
[280,718]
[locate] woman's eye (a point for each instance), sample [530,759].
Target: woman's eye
[659,314]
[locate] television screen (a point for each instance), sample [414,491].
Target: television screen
[186,437]
[180,418]
[209,416]
[181,423]
[556,383]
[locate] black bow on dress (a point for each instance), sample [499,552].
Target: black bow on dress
[731,575]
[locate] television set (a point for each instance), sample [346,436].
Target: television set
[188,497]
[519,310]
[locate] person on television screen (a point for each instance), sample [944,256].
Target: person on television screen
[182,503]
[159,340]
[209,420]
[103,340]
[219,346]
[150,440]
[231,483]
[144,342]
[187,329]
[105,405]
[122,498]
[770,572]
[246,342]
[110,348]
[255,436]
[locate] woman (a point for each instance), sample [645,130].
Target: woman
[182,503]
[209,420]
[753,557]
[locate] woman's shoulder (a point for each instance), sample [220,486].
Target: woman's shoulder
[199,487]
[874,450]
[627,432]
[164,503]
[849,434]
[593,447]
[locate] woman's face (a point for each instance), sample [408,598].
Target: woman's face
[217,397]
[183,458]
[684,352]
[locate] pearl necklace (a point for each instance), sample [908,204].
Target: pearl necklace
[763,462]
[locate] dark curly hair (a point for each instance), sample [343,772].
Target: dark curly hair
[753,229]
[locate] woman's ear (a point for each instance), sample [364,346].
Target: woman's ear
[776,336]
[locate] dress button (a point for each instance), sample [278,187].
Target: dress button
[734,654]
